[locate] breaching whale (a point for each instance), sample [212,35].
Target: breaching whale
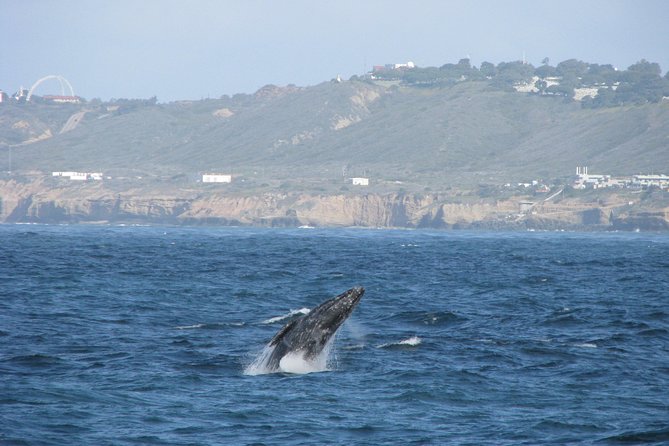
[309,334]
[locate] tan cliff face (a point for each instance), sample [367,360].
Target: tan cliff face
[40,202]
[43,201]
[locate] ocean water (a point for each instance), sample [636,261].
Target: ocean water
[142,335]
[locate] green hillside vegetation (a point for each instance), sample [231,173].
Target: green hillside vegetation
[456,126]
[641,83]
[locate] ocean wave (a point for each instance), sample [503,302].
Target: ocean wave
[26,363]
[654,332]
[427,318]
[450,334]
[213,326]
[656,436]
[189,327]
[288,315]
[413,341]
[352,347]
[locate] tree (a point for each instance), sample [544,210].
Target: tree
[645,90]
[457,71]
[488,69]
[572,67]
[646,68]
[641,83]
[600,74]
[427,75]
[545,71]
[464,64]
[510,73]
[606,97]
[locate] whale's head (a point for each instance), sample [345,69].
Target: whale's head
[329,315]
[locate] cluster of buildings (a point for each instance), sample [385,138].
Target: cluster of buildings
[79,176]
[582,180]
[227,178]
[97,176]
[205,178]
[19,96]
[579,93]
[586,180]
[392,66]
[22,96]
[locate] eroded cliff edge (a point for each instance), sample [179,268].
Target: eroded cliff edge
[38,201]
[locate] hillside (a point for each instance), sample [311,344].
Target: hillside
[458,135]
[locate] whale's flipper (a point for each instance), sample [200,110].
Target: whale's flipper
[283,332]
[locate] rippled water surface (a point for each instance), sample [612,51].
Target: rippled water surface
[141,335]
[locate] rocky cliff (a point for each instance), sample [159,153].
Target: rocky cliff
[46,201]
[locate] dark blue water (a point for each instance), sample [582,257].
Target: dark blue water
[139,335]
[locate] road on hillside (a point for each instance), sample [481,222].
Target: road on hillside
[73,122]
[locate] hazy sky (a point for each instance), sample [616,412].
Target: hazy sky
[193,49]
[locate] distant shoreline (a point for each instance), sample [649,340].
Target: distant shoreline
[93,203]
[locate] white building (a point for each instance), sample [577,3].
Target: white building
[409,64]
[661,181]
[360,181]
[216,178]
[585,179]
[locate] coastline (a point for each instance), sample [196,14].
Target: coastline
[97,203]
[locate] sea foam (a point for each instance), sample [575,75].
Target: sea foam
[413,341]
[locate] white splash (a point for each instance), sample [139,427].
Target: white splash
[586,345]
[290,314]
[259,365]
[189,327]
[293,362]
[413,341]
